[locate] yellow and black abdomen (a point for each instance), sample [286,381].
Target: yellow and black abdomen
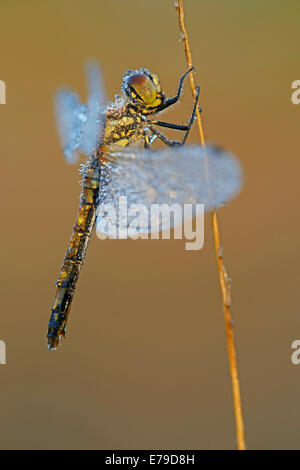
[75,254]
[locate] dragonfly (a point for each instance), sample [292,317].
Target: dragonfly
[108,135]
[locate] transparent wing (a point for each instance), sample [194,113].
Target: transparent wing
[80,125]
[184,175]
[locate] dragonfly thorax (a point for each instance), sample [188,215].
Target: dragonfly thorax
[124,124]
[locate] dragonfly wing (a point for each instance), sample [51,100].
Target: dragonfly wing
[184,175]
[71,115]
[94,125]
[80,125]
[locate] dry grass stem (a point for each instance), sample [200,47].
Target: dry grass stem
[224,280]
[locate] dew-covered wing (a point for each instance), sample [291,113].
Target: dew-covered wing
[184,175]
[80,125]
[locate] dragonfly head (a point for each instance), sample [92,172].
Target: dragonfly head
[143,90]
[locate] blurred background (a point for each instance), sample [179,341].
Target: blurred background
[144,364]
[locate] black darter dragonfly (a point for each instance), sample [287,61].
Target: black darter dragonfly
[177,174]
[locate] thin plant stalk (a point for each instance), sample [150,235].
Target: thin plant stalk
[224,280]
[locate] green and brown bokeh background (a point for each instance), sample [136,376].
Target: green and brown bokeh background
[144,364]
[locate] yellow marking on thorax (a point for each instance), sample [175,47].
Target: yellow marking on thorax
[123,142]
[123,130]
[126,121]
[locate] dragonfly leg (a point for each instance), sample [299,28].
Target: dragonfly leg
[148,139]
[169,125]
[178,127]
[164,139]
[193,115]
[170,101]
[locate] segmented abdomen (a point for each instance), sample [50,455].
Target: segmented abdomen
[75,254]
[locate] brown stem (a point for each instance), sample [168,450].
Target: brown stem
[224,280]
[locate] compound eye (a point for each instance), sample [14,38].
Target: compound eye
[142,88]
